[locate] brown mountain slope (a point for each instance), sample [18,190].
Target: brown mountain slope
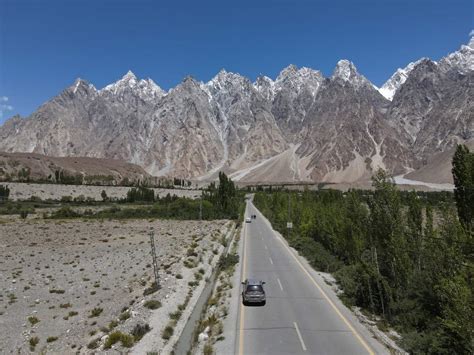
[438,169]
[23,166]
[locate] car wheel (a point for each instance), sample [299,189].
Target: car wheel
[263,303]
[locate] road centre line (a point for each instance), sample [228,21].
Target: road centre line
[299,336]
[279,283]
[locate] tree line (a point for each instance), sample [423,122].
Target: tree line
[223,201]
[403,257]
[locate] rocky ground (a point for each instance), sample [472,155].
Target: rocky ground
[68,285]
[24,191]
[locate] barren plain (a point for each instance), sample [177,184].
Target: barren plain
[66,285]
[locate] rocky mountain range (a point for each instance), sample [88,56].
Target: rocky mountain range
[301,126]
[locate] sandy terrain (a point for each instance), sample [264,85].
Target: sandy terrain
[23,191]
[438,168]
[58,272]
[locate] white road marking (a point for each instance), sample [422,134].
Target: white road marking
[281,287]
[299,336]
[270,260]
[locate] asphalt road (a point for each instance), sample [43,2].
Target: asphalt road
[300,317]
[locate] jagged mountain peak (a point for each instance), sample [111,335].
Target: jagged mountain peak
[345,70]
[146,89]
[265,86]
[81,85]
[294,79]
[290,70]
[225,76]
[461,60]
[390,87]
[129,76]
[189,83]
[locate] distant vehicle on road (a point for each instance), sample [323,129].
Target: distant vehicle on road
[248,220]
[253,292]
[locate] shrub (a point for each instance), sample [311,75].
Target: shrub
[228,261]
[113,324]
[175,315]
[94,344]
[65,212]
[124,316]
[33,320]
[152,289]
[126,340]
[140,330]
[95,312]
[152,304]
[56,291]
[51,339]
[208,350]
[167,332]
[33,342]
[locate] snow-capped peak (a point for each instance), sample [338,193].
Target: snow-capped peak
[462,60]
[346,71]
[287,72]
[129,76]
[391,86]
[297,79]
[265,86]
[225,80]
[82,84]
[145,89]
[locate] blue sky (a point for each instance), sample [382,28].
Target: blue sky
[45,45]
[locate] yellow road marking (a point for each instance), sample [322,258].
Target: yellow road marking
[364,344]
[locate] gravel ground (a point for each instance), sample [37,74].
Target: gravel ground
[24,191]
[57,272]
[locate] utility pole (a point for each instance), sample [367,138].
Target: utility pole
[153,255]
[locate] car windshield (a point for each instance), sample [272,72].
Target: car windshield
[254,288]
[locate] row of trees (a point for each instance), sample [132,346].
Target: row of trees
[218,202]
[395,254]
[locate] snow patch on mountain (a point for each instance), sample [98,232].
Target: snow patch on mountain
[146,89]
[298,79]
[391,86]
[461,60]
[346,71]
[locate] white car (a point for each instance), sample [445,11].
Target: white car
[248,220]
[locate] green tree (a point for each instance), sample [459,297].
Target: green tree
[4,193]
[463,175]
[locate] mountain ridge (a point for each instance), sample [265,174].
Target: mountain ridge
[337,128]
